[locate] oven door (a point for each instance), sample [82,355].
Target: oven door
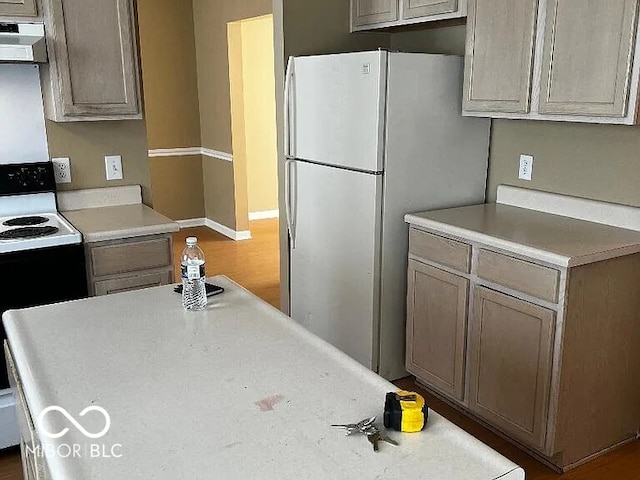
[37,277]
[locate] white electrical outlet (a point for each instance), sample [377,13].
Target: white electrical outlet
[113,167]
[526,167]
[62,169]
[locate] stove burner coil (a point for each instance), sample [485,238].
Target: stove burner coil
[27,232]
[24,221]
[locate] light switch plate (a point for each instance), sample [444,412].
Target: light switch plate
[526,167]
[113,167]
[62,169]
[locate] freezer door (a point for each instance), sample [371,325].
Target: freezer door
[334,281]
[336,109]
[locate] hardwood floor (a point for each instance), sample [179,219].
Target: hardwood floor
[621,464]
[10,466]
[254,264]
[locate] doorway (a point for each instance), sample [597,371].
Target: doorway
[253,117]
[254,140]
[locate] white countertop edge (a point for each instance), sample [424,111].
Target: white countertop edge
[131,232]
[470,235]
[517,248]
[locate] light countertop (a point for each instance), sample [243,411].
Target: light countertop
[555,239]
[237,391]
[122,221]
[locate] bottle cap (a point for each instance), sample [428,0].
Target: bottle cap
[192,240]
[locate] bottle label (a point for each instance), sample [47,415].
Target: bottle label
[193,272]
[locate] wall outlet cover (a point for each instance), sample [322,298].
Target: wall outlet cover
[113,167]
[62,169]
[526,167]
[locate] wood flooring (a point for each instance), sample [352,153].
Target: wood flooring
[254,264]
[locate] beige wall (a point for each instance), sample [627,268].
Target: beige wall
[312,27]
[260,113]
[168,58]
[591,161]
[210,26]
[177,186]
[218,181]
[86,144]
[170,86]
[448,40]
[584,160]
[211,18]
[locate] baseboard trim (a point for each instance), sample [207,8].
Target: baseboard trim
[190,151]
[215,226]
[191,222]
[264,214]
[228,232]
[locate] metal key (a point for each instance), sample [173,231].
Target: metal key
[359,427]
[373,438]
[390,441]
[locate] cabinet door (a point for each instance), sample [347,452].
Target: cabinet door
[18,8]
[436,328]
[588,56]
[119,285]
[499,55]
[371,12]
[425,8]
[510,364]
[96,58]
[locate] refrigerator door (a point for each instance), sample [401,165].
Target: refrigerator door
[334,265]
[336,109]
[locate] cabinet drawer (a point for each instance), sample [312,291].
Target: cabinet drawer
[130,257]
[442,250]
[118,285]
[526,277]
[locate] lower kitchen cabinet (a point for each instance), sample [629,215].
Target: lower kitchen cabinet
[511,344]
[546,354]
[436,327]
[128,264]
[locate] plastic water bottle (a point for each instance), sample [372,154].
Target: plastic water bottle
[194,296]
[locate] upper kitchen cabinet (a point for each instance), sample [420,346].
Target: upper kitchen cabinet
[372,14]
[500,43]
[569,60]
[591,41]
[367,13]
[93,61]
[18,8]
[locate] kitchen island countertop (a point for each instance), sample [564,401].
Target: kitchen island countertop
[236,391]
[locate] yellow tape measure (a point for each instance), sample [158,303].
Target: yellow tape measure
[405,411]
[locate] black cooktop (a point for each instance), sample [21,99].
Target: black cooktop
[27,232]
[24,221]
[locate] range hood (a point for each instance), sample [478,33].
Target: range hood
[22,42]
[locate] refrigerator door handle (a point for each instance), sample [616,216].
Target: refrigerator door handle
[287,201]
[287,108]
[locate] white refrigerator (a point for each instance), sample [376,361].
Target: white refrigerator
[370,136]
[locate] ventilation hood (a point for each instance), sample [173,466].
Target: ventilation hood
[22,42]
